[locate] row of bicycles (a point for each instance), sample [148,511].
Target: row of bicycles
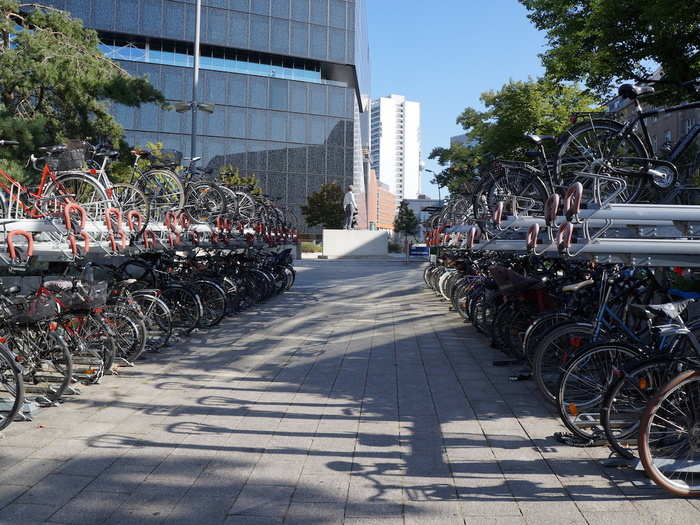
[581,266]
[92,318]
[158,184]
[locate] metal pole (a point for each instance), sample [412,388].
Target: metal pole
[195,76]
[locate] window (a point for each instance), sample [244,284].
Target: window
[297,97]
[174,21]
[257,96]
[127,15]
[279,37]
[151,17]
[317,100]
[319,12]
[338,18]
[260,32]
[104,16]
[297,128]
[257,124]
[238,34]
[318,41]
[300,10]
[280,8]
[300,39]
[261,7]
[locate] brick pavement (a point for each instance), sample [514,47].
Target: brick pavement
[356,398]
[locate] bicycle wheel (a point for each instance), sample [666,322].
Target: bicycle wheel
[598,147]
[669,438]
[554,352]
[56,366]
[81,189]
[11,387]
[164,191]
[627,398]
[213,298]
[584,383]
[130,198]
[204,202]
[129,332]
[157,317]
[538,329]
[522,187]
[185,307]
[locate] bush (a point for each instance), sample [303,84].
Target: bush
[395,247]
[310,247]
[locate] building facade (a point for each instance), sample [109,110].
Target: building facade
[289,81]
[381,205]
[396,145]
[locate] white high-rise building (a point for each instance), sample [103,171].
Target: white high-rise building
[396,144]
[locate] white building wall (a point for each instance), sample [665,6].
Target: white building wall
[396,140]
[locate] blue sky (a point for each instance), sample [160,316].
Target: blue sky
[445,53]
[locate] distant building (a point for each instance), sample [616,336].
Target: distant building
[381,206]
[418,206]
[396,145]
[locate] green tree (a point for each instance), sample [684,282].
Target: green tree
[604,42]
[231,176]
[325,207]
[56,84]
[536,106]
[406,222]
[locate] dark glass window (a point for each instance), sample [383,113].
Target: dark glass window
[128,16]
[317,130]
[317,100]
[296,189]
[335,131]
[319,41]
[257,94]
[173,83]
[279,36]
[257,124]
[236,89]
[174,122]
[259,32]
[317,159]
[277,157]
[319,12]
[337,45]
[236,122]
[297,128]
[349,133]
[216,26]
[241,5]
[238,32]
[300,39]
[277,186]
[278,126]
[335,161]
[174,20]
[261,7]
[257,155]
[216,87]
[349,163]
[216,122]
[79,9]
[338,18]
[149,118]
[296,158]
[152,17]
[297,97]
[300,10]
[336,101]
[280,8]
[278,94]
[104,16]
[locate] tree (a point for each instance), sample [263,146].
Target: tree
[406,222]
[604,42]
[231,176]
[56,84]
[536,106]
[325,207]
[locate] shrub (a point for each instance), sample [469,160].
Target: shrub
[310,247]
[395,247]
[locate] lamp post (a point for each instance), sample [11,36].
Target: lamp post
[438,184]
[195,76]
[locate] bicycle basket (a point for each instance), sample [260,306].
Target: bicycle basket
[84,296]
[72,158]
[170,158]
[32,309]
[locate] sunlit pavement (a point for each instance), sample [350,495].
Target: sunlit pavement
[354,398]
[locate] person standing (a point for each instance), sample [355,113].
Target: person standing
[350,207]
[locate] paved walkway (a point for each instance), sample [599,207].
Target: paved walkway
[356,398]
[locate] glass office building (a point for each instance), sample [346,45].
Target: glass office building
[289,80]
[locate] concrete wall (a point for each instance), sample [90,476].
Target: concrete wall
[355,243]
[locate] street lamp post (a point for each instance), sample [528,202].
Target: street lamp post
[195,76]
[438,184]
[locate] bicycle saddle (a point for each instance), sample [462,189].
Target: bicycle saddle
[107,152]
[577,286]
[632,91]
[12,290]
[58,286]
[141,152]
[671,310]
[539,139]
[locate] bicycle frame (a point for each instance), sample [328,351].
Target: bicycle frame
[15,189]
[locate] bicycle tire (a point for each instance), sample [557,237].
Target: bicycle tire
[11,395]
